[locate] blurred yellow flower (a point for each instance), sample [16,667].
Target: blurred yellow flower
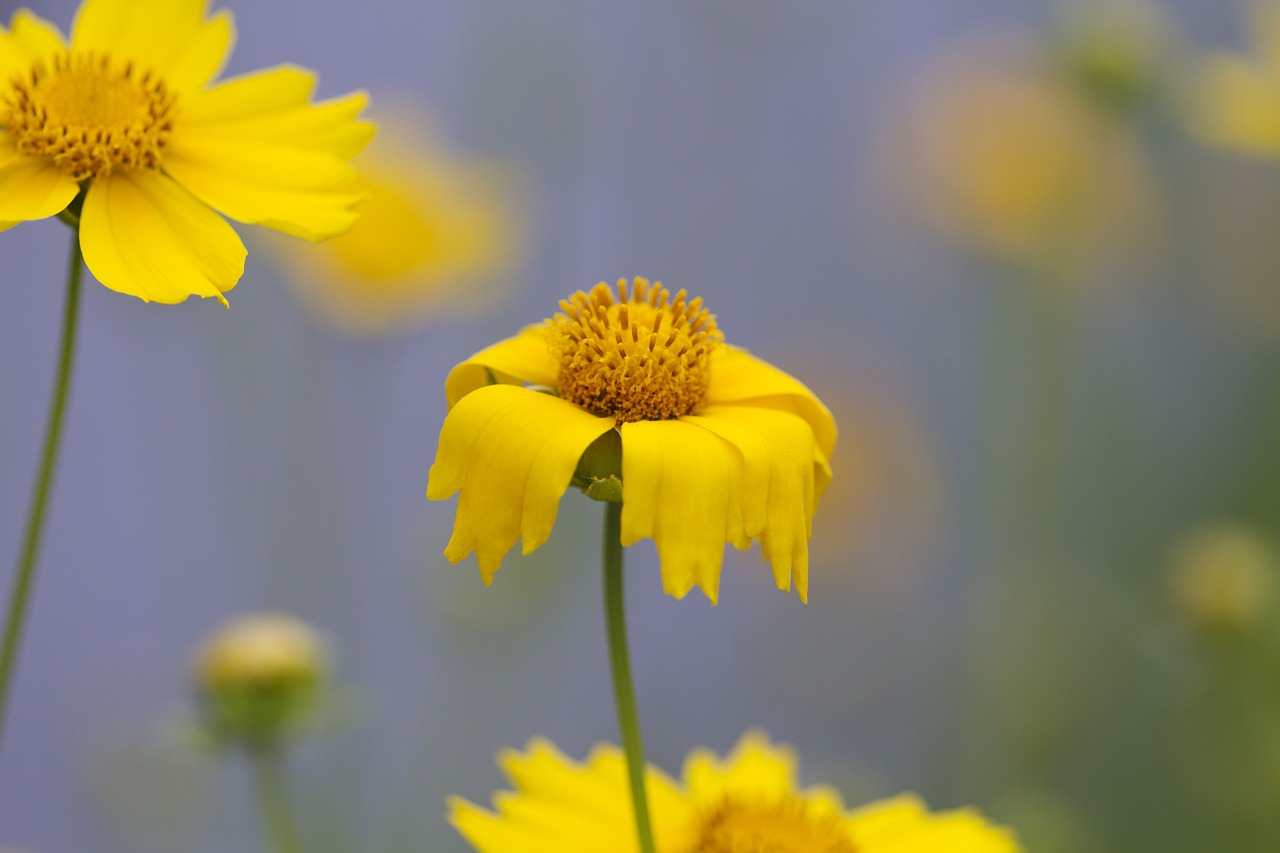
[127,113]
[749,801]
[716,446]
[1236,102]
[996,148]
[434,228]
[1222,576]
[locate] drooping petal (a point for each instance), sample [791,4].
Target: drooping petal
[144,235]
[778,496]
[739,377]
[755,770]
[31,187]
[511,452]
[171,38]
[28,39]
[1239,105]
[680,488]
[525,358]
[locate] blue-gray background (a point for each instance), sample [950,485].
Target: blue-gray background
[218,462]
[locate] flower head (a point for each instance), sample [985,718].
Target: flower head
[126,113]
[747,802]
[716,446]
[1237,100]
[436,231]
[258,676]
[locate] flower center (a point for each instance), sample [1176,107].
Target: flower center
[90,115]
[639,356]
[788,825]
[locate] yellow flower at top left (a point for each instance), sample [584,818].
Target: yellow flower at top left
[127,112]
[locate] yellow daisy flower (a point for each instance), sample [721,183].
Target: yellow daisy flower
[716,446]
[127,112]
[750,801]
[435,230]
[1237,103]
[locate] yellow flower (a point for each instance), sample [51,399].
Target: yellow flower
[716,445]
[750,801]
[1222,577]
[997,150]
[1237,100]
[127,112]
[434,227]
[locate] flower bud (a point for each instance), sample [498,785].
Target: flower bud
[258,678]
[1222,577]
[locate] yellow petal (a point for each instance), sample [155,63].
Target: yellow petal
[511,453]
[28,39]
[778,496]
[680,487]
[739,377]
[1239,105]
[754,770]
[273,106]
[903,823]
[169,37]
[144,235]
[525,358]
[296,191]
[31,187]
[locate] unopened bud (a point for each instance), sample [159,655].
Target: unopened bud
[258,677]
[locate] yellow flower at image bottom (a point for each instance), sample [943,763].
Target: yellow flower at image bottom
[749,802]
[716,445]
[128,112]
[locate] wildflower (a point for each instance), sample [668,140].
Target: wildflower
[1222,577]
[434,226]
[748,801]
[999,151]
[1236,102]
[715,445]
[124,127]
[258,677]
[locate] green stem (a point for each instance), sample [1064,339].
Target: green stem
[273,801]
[21,590]
[624,694]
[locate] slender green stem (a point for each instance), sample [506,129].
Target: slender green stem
[21,590]
[624,694]
[278,827]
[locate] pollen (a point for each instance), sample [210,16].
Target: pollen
[637,353]
[786,825]
[90,115]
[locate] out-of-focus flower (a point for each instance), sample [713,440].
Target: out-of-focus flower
[1222,577]
[435,233]
[258,677]
[749,801]
[715,445]
[997,148]
[128,114]
[1236,101]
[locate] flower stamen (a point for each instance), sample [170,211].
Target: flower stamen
[786,825]
[90,115]
[642,356]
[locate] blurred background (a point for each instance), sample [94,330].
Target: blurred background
[1025,251]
